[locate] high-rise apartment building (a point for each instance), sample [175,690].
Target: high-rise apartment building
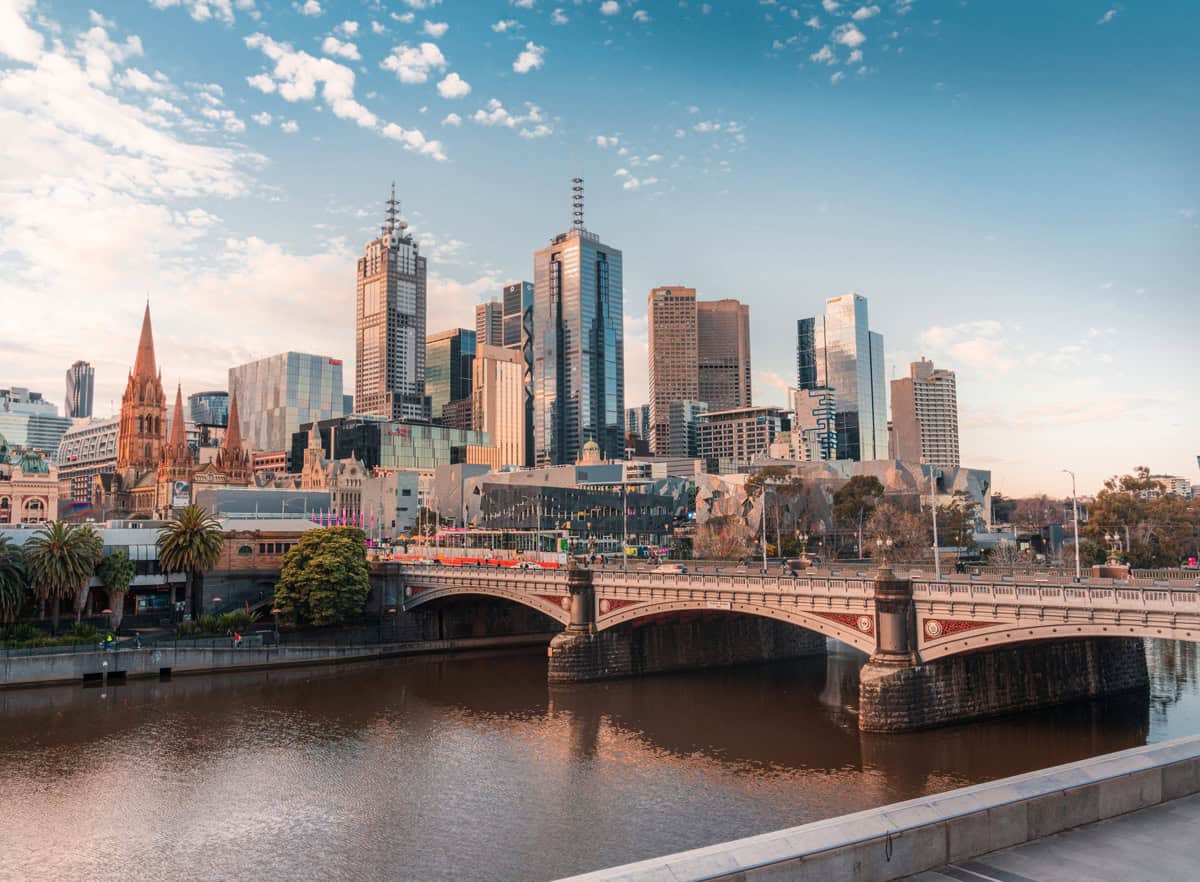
[390,325]
[925,416]
[838,351]
[448,359]
[684,425]
[518,334]
[723,354]
[81,390]
[499,401]
[731,439]
[637,421]
[489,323]
[209,408]
[29,421]
[277,395]
[674,371]
[579,347]
[86,450]
[814,423]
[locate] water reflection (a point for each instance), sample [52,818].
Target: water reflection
[473,768]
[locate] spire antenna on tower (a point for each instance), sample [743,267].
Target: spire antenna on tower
[577,203]
[393,210]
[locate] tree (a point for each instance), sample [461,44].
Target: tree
[190,543]
[1007,554]
[14,580]
[784,500]
[116,572]
[908,531]
[956,522]
[1156,530]
[61,558]
[854,502]
[721,538]
[1002,508]
[89,536]
[1031,514]
[324,579]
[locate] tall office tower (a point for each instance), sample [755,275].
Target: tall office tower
[390,325]
[723,354]
[840,352]
[498,400]
[685,422]
[277,395]
[814,423]
[209,408]
[489,323]
[81,387]
[518,333]
[674,374]
[637,421]
[925,416]
[448,359]
[578,346]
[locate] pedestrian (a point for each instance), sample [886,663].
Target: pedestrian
[237,640]
[137,639]
[108,641]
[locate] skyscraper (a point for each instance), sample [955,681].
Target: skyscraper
[673,350]
[489,323]
[579,346]
[448,359]
[925,416]
[723,354]
[498,399]
[637,421]
[518,334]
[81,386]
[839,351]
[280,393]
[209,408]
[390,324]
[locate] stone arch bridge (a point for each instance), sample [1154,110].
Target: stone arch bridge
[938,651]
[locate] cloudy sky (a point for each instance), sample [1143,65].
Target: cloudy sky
[1014,187]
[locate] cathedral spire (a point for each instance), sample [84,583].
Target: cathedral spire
[233,429]
[178,428]
[143,365]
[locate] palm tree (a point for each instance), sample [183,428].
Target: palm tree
[191,543]
[117,572]
[14,580]
[61,559]
[88,535]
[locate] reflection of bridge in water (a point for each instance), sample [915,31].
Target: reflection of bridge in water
[939,651]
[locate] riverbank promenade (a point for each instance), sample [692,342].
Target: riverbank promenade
[1130,815]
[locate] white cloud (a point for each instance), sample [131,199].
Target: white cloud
[610,7]
[297,75]
[837,77]
[830,5]
[558,17]
[523,4]
[1107,17]
[402,17]
[824,55]
[414,140]
[142,82]
[497,115]
[262,82]
[854,57]
[531,58]
[976,344]
[310,8]
[263,118]
[606,141]
[378,28]
[505,25]
[227,118]
[347,28]
[641,16]
[453,86]
[814,23]
[436,29]
[204,10]
[413,64]
[422,4]
[334,46]
[101,55]
[865,12]
[452,119]
[290,126]
[848,35]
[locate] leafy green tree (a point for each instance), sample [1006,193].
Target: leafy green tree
[190,543]
[324,579]
[116,572]
[61,559]
[89,536]
[14,580]
[1156,530]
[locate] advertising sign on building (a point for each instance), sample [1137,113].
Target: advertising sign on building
[181,495]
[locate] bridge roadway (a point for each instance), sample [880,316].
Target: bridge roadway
[959,614]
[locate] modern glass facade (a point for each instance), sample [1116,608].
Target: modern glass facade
[277,395]
[448,363]
[209,408]
[81,387]
[518,334]
[840,352]
[579,349]
[388,444]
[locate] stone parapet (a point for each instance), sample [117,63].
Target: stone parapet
[998,681]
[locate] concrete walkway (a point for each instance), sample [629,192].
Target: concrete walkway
[1157,844]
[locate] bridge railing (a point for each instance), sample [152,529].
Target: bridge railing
[756,583]
[1113,596]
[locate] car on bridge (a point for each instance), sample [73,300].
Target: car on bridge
[671,568]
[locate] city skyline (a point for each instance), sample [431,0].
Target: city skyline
[1023,257]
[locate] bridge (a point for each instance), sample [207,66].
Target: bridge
[939,651]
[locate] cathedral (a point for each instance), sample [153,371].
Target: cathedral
[156,468]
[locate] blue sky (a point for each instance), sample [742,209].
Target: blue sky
[1014,186]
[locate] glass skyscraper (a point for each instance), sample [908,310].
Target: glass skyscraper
[209,408]
[838,351]
[81,385]
[448,362]
[578,349]
[518,334]
[277,395]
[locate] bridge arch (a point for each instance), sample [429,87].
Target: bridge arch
[847,629]
[995,636]
[551,605]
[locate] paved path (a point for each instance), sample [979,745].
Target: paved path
[1158,844]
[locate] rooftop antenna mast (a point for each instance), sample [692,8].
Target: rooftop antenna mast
[577,203]
[393,212]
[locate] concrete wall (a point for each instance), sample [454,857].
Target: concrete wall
[911,837]
[677,644]
[998,681]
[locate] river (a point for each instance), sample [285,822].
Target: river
[472,768]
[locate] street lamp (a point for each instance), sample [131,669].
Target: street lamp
[1075,519]
[937,557]
[885,548]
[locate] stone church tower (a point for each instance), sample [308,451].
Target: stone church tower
[176,463]
[232,459]
[143,411]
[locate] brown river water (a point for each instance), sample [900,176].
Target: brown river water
[472,768]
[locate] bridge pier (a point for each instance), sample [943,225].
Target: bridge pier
[898,693]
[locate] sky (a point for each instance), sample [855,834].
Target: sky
[1013,186]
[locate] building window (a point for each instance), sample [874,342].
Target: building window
[245,549]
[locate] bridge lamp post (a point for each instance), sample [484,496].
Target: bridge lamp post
[937,557]
[1075,519]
